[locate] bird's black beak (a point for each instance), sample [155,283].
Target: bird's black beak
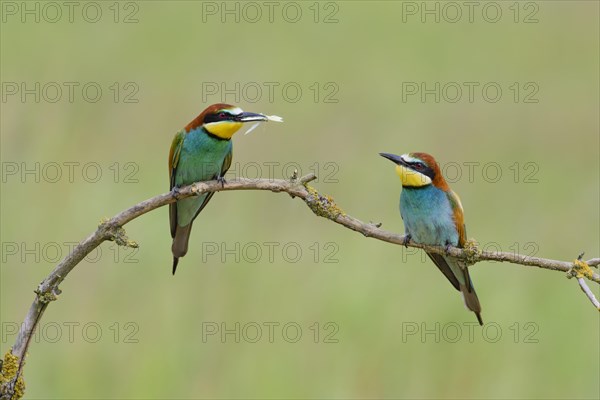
[392,157]
[249,117]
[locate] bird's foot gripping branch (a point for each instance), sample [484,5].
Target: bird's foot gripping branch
[12,385]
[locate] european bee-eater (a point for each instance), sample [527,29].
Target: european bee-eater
[433,215]
[202,151]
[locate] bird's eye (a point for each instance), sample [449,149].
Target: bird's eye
[419,166]
[222,115]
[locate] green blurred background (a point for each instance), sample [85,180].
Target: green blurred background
[125,328]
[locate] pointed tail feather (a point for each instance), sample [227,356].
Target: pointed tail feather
[478,315]
[180,243]
[470,298]
[175,262]
[460,279]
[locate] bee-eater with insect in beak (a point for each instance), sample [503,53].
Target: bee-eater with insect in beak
[202,151]
[433,215]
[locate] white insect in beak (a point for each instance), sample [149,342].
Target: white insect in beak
[273,118]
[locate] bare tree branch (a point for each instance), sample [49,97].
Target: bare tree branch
[594,262]
[580,270]
[588,292]
[11,382]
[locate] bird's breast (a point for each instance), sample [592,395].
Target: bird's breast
[427,216]
[201,158]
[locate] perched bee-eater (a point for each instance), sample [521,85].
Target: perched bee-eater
[433,215]
[202,151]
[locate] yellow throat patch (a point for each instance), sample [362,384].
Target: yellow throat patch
[412,178]
[223,129]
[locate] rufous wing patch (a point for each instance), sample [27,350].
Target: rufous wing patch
[459,217]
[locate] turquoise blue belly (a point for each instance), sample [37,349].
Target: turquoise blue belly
[428,216]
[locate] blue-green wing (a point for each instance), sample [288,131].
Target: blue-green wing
[224,168]
[175,150]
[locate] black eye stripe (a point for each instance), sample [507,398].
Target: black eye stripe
[216,117]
